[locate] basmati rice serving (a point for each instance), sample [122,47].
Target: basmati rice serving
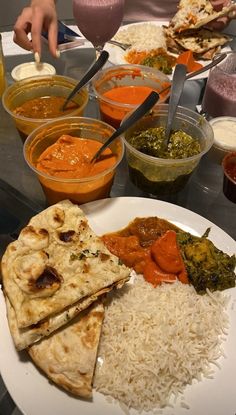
[155,341]
[142,37]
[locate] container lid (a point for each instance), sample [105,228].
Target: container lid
[28,69]
[224,129]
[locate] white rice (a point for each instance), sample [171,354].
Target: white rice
[142,37]
[155,341]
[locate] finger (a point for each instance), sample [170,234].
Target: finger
[219,4]
[232,14]
[219,24]
[21,29]
[36,30]
[52,38]
[21,39]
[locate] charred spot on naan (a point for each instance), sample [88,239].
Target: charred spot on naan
[35,277]
[55,217]
[34,238]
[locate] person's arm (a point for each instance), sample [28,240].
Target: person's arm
[40,15]
[220,23]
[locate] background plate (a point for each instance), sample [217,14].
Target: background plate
[35,395]
[117,54]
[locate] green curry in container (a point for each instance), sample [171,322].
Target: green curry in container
[160,170]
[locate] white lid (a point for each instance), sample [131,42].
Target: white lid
[28,69]
[224,132]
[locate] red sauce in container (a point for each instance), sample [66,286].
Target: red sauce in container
[229,184]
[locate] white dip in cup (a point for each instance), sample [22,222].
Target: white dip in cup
[28,69]
[224,129]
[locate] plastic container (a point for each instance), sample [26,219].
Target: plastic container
[112,111]
[229,183]
[158,176]
[224,129]
[36,87]
[29,69]
[3,83]
[77,190]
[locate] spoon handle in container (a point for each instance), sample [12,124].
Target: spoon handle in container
[99,63]
[175,94]
[135,115]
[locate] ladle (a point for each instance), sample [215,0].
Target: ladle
[96,66]
[138,113]
[176,90]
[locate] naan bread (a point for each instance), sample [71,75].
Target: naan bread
[68,356]
[57,262]
[193,14]
[24,337]
[199,41]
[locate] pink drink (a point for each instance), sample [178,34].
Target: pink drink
[220,94]
[98,20]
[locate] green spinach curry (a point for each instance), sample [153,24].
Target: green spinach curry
[151,142]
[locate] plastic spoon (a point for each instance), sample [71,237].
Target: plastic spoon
[177,85]
[98,64]
[138,113]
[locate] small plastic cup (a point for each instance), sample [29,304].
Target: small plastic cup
[224,129]
[36,87]
[113,112]
[81,190]
[159,176]
[29,69]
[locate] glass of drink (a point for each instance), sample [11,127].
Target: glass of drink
[220,94]
[98,20]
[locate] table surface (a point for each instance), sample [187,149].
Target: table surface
[203,193]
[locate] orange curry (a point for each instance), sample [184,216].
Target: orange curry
[149,246]
[45,107]
[70,158]
[132,95]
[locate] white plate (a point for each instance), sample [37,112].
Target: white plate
[117,54]
[33,393]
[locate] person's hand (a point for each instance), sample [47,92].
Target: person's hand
[222,22]
[40,15]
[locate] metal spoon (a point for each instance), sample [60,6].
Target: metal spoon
[121,45]
[138,113]
[96,66]
[177,85]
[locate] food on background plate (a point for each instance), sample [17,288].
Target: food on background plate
[154,45]
[186,29]
[203,43]
[193,14]
[186,58]
[148,46]
[57,262]
[68,356]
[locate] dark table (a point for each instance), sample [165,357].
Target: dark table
[203,194]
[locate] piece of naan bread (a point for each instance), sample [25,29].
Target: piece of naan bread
[56,262]
[24,337]
[199,41]
[68,356]
[193,14]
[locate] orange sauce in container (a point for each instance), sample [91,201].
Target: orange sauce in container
[114,112]
[67,171]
